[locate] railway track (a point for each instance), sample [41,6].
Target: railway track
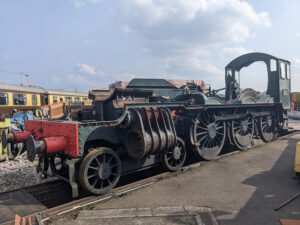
[54,198]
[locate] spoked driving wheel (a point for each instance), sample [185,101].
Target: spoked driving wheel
[100,170]
[208,135]
[267,128]
[241,131]
[174,159]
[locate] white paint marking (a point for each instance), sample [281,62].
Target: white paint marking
[132,189]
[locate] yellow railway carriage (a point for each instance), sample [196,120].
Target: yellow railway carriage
[19,97]
[55,96]
[30,98]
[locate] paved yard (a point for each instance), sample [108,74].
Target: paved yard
[242,189]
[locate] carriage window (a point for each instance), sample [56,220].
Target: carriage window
[54,99]
[19,99]
[288,71]
[3,99]
[283,70]
[84,99]
[68,98]
[273,65]
[229,72]
[34,100]
[77,98]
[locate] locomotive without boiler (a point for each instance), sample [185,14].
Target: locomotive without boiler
[139,126]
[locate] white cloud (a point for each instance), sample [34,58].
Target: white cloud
[184,34]
[80,80]
[298,34]
[81,3]
[88,76]
[234,52]
[296,61]
[86,69]
[146,50]
[195,20]
[193,63]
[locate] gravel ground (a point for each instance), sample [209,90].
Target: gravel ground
[19,173]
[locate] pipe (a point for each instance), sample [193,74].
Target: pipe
[20,136]
[55,144]
[14,137]
[45,145]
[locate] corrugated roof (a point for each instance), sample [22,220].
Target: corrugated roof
[14,87]
[62,92]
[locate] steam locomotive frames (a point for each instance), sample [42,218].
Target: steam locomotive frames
[145,125]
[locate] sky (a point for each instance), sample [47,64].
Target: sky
[81,44]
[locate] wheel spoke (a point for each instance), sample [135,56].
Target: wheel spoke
[93,168]
[201,133]
[97,161]
[203,128]
[237,127]
[114,165]
[204,143]
[89,175]
[218,139]
[204,122]
[109,160]
[219,133]
[95,181]
[92,175]
[238,132]
[169,162]
[201,139]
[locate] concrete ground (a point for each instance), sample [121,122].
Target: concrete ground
[241,189]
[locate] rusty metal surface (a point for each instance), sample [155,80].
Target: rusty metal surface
[55,110]
[68,130]
[152,131]
[180,83]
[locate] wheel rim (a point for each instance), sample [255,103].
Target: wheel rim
[174,159]
[100,171]
[209,136]
[267,128]
[242,131]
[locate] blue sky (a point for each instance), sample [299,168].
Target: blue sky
[80,44]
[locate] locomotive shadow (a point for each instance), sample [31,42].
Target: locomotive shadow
[273,187]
